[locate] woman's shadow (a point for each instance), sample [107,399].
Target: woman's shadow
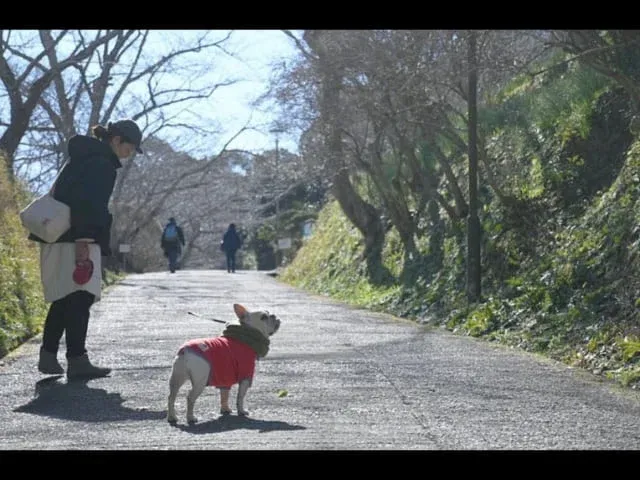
[77,401]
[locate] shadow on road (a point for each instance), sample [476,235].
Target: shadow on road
[79,402]
[124,283]
[232,422]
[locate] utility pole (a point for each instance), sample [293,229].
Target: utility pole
[277,132]
[473,223]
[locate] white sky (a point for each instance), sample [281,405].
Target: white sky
[261,47]
[230,106]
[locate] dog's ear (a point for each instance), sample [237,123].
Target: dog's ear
[240,310]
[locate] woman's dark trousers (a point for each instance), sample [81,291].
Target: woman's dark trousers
[69,314]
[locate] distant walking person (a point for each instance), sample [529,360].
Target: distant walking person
[172,241]
[231,242]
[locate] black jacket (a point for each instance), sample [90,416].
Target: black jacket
[86,183]
[231,241]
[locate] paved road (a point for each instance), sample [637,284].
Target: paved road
[356,380]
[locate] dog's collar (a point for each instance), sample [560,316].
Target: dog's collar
[250,336]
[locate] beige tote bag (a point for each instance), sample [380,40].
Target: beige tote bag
[46,217]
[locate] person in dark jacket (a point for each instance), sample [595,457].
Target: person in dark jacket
[71,269]
[171,242]
[231,242]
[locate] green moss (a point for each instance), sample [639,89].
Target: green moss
[330,263]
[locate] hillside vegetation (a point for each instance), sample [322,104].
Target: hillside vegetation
[22,307]
[560,263]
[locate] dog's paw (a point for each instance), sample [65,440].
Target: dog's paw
[192,420]
[172,420]
[225,411]
[243,413]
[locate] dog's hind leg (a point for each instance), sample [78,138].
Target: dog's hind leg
[178,377]
[199,374]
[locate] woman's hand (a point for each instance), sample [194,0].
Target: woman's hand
[84,266]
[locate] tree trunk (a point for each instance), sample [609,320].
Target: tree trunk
[473,223]
[363,215]
[23,100]
[366,219]
[393,197]
[11,138]
[436,238]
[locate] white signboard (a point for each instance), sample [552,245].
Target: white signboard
[125,248]
[284,243]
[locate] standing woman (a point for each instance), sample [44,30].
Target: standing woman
[70,268]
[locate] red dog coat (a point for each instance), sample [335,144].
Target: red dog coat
[230,360]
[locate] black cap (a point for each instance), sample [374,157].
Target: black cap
[129,130]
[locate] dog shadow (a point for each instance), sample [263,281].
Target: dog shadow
[77,401]
[225,423]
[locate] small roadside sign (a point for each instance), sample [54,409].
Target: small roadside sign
[284,243]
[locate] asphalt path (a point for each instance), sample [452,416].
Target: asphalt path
[336,378]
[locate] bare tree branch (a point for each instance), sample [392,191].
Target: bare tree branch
[22,104]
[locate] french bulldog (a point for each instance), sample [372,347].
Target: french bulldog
[222,361]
